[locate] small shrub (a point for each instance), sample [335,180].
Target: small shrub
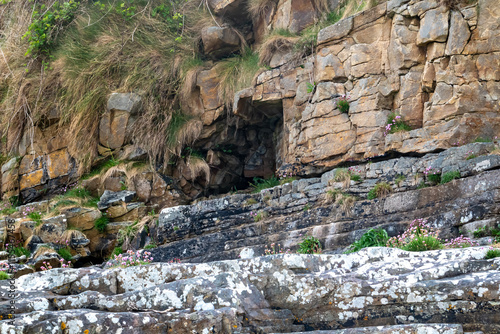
[470,155]
[65,253]
[259,215]
[130,259]
[273,250]
[261,184]
[4,275]
[310,87]
[309,245]
[307,207]
[449,176]
[20,251]
[433,175]
[101,223]
[342,104]
[400,179]
[492,253]
[481,232]
[460,242]
[395,124]
[417,238]
[372,238]
[36,217]
[380,190]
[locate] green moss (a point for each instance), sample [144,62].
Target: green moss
[449,176]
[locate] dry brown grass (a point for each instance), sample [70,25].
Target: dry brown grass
[68,235]
[275,44]
[43,250]
[343,175]
[198,168]
[352,7]
[90,62]
[259,8]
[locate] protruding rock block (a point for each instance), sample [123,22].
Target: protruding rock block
[219,41]
[116,123]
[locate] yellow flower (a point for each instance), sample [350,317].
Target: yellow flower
[86,331]
[63,325]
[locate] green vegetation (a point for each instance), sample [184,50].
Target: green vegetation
[492,253]
[371,238]
[449,176]
[259,215]
[150,246]
[345,201]
[4,275]
[395,123]
[65,253]
[309,245]
[78,52]
[434,178]
[117,251]
[487,231]
[482,140]
[36,217]
[260,184]
[237,73]
[101,168]
[380,190]
[101,223]
[342,105]
[420,237]
[307,207]
[46,22]
[20,251]
[400,179]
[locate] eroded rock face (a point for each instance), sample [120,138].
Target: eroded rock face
[281,293]
[116,124]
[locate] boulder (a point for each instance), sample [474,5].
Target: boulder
[434,26]
[111,198]
[116,124]
[219,41]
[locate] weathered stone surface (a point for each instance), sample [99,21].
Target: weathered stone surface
[335,31]
[294,15]
[434,26]
[110,198]
[270,293]
[219,41]
[115,125]
[459,34]
[208,81]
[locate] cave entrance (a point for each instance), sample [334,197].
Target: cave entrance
[264,136]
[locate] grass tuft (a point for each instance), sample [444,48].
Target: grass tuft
[371,238]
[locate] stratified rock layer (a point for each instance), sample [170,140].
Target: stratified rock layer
[281,293]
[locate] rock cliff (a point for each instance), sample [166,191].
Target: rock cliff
[370,120]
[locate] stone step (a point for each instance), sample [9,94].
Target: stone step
[394,329]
